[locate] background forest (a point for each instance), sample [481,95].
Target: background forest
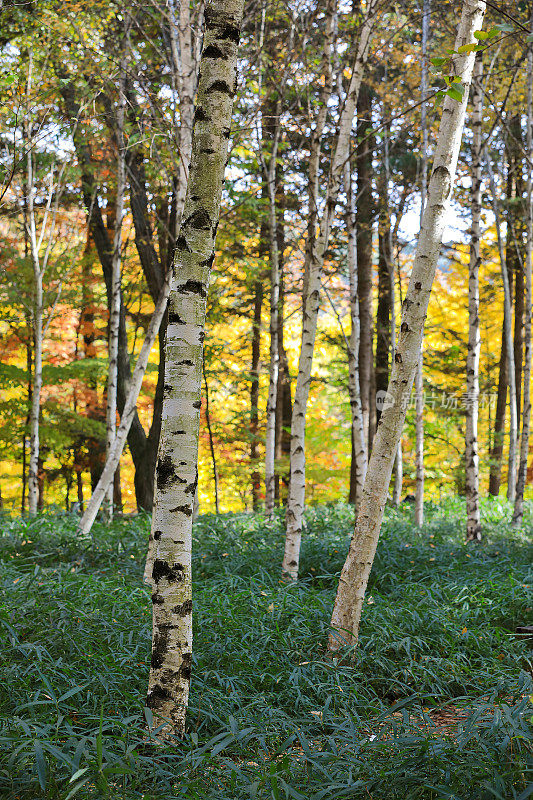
[66,115]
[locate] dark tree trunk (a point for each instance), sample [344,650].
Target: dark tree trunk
[496,452]
[254,387]
[514,249]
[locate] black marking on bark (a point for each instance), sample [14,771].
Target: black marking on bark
[208,262]
[232,33]
[418,286]
[293,563]
[167,388]
[175,319]
[162,569]
[184,609]
[200,115]
[191,488]
[197,404]
[187,510]
[220,86]
[186,363]
[208,151]
[226,132]
[404,327]
[157,599]
[157,696]
[398,358]
[193,287]
[201,336]
[157,535]
[159,647]
[181,244]
[212,51]
[180,433]
[185,669]
[165,472]
[199,220]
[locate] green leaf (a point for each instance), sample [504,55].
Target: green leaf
[40,763]
[438,61]
[78,774]
[454,94]
[467,48]
[481,35]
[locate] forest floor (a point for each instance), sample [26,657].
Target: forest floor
[436,704]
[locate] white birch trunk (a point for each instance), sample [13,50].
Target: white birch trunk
[135,384]
[355,573]
[354,390]
[419,376]
[296,499]
[473,521]
[114,311]
[526,413]
[177,472]
[508,330]
[270,438]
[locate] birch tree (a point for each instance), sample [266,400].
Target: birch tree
[317,249]
[114,311]
[526,414]
[177,472]
[355,573]
[354,389]
[473,523]
[419,382]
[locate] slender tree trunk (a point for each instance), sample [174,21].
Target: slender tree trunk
[419,380]
[515,266]
[270,439]
[508,317]
[473,522]
[526,414]
[354,577]
[114,310]
[29,367]
[383,317]
[128,413]
[496,452]
[359,460]
[177,472]
[211,440]
[364,223]
[254,390]
[295,504]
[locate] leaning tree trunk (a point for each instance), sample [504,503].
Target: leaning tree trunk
[355,573]
[128,412]
[295,504]
[177,463]
[507,322]
[526,413]
[473,522]
[419,381]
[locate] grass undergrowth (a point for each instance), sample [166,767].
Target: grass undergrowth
[270,716]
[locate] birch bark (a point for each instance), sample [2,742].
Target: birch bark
[295,503]
[358,436]
[526,414]
[419,375]
[114,311]
[473,522]
[177,473]
[355,573]
[508,330]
